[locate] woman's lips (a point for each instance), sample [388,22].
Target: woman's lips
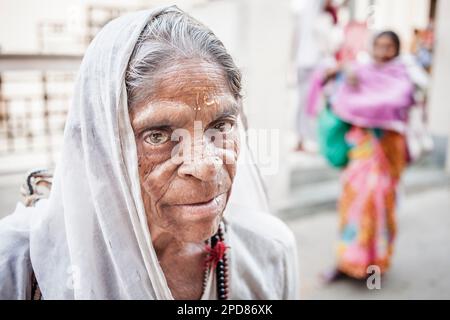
[203,209]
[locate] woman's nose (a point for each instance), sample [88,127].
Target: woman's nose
[203,165]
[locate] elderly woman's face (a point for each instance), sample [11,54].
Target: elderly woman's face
[188,144]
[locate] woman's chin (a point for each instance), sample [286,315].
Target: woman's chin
[196,222]
[199,231]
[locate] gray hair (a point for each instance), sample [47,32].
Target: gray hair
[172,35]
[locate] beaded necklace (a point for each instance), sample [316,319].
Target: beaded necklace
[217,260]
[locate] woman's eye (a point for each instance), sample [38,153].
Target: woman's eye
[223,126]
[157,137]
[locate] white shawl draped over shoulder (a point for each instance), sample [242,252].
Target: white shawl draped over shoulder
[90,239]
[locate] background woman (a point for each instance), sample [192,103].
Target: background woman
[374,99]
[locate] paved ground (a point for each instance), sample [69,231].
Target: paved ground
[421,265]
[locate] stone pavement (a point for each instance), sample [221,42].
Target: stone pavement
[421,264]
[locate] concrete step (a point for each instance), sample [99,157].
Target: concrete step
[323,189]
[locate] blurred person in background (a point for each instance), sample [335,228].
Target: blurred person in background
[373,101]
[316,39]
[422,46]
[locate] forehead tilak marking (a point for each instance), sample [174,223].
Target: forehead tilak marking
[206,100]
[202,96]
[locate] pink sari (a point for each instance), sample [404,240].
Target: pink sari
[377,109]
[368,200]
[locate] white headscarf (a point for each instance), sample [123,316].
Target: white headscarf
[90,239]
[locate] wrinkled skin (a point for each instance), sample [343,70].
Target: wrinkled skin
[187,143]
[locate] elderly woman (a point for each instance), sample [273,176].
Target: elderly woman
[140,206]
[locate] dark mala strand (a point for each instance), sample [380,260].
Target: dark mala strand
[221,268]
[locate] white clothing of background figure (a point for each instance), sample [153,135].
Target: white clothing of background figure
[316,39]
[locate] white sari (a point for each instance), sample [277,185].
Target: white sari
[90,239]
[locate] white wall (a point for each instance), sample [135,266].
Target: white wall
[439,107]
[19,20]
[266,32]
[402,16]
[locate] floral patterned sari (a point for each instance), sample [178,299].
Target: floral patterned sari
[367,203]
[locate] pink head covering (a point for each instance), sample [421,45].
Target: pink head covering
[380,100]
